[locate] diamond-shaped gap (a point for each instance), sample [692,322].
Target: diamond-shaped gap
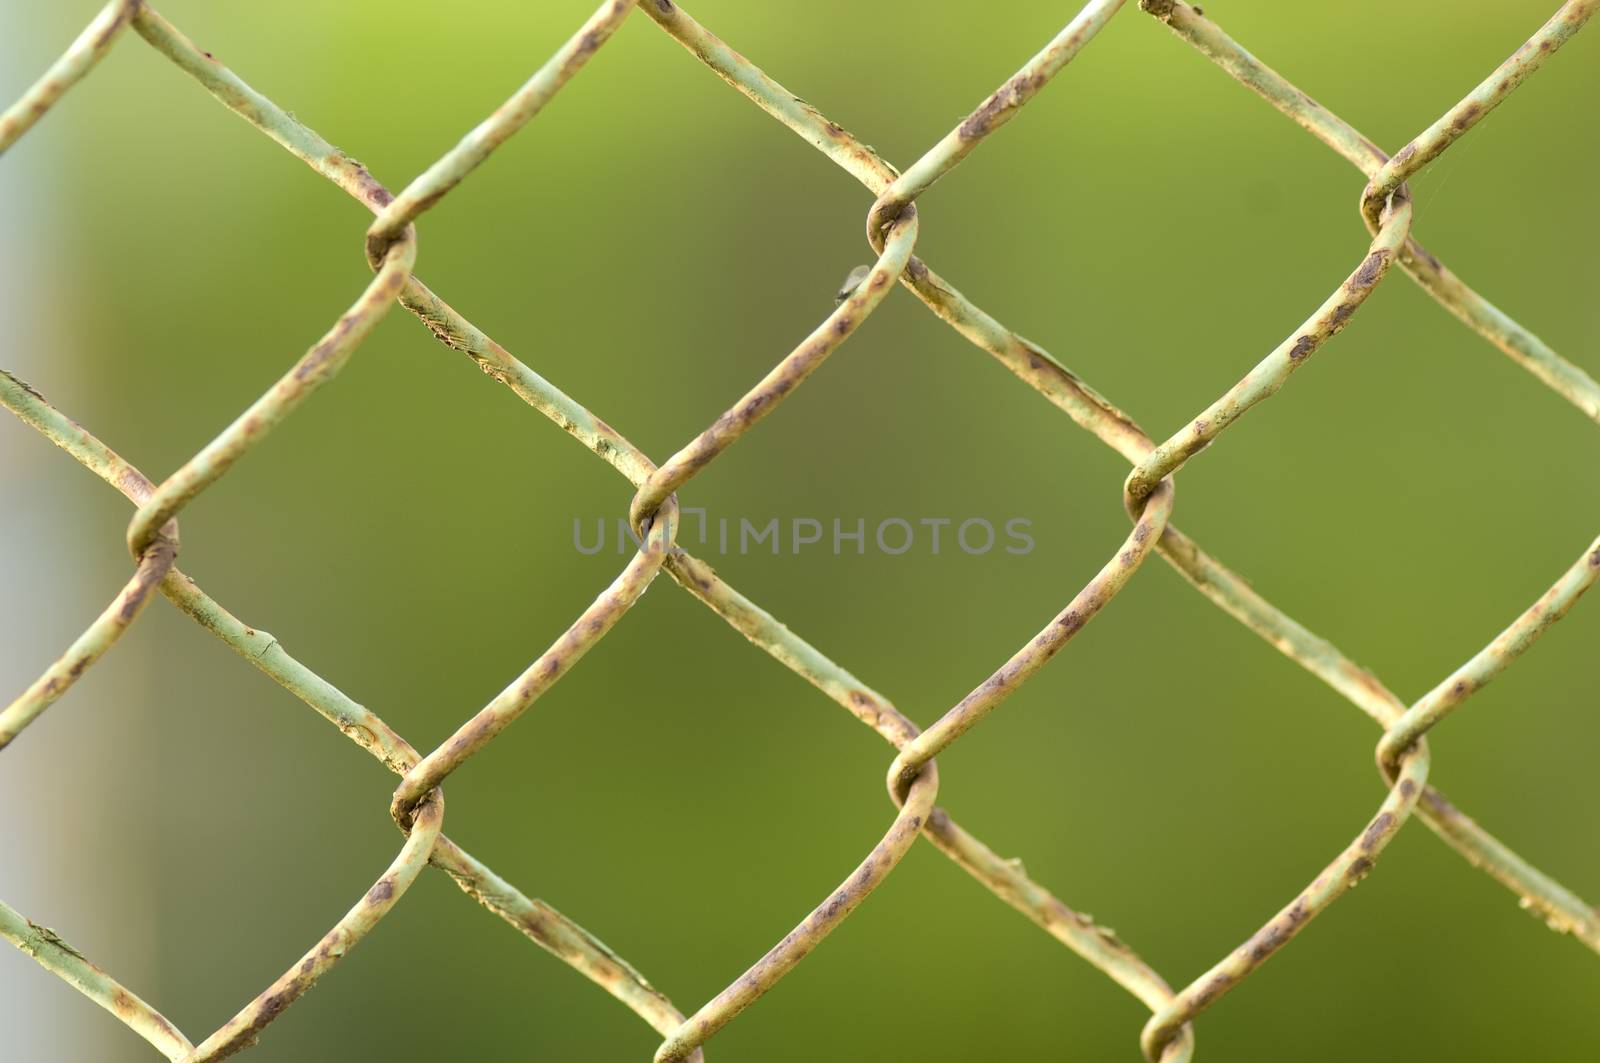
[193,747]
[655,270]
[686,798]
[1139,755]
[197,307]
[1419,491]
[447,566]
[1185,878]
[1158,248]
[277,819]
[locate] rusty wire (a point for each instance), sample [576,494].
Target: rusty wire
[892,225]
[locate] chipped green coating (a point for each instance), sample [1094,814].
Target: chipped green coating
[783,378]
[999,108]
[782,957]
[96,639]
[314,369]
[75,63]
[987,696]
[1273,371]
[892,226]
[106,628]
[1490,661]
[1476,105]
[60,958]
[240,1032]
[452,167]
[1343,874]
[591,626]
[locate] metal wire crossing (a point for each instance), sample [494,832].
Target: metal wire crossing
[892,224]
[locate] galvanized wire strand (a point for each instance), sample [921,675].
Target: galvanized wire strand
[451,168]
[240,1032]
[1490,661]
[1088,602]
[53,953]
[1273,371]
[154,564]
[1475,107]
[798,943]
[783,378]
[318,366]
[1338,878]
[75,63]
[591,626]
[999,108]
[1403,755]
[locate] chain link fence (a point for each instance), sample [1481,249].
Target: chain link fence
[1386,208]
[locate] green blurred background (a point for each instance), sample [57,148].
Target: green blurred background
[653,243]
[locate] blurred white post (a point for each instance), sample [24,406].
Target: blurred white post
[65,832]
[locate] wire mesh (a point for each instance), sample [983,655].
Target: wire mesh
[892,227]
